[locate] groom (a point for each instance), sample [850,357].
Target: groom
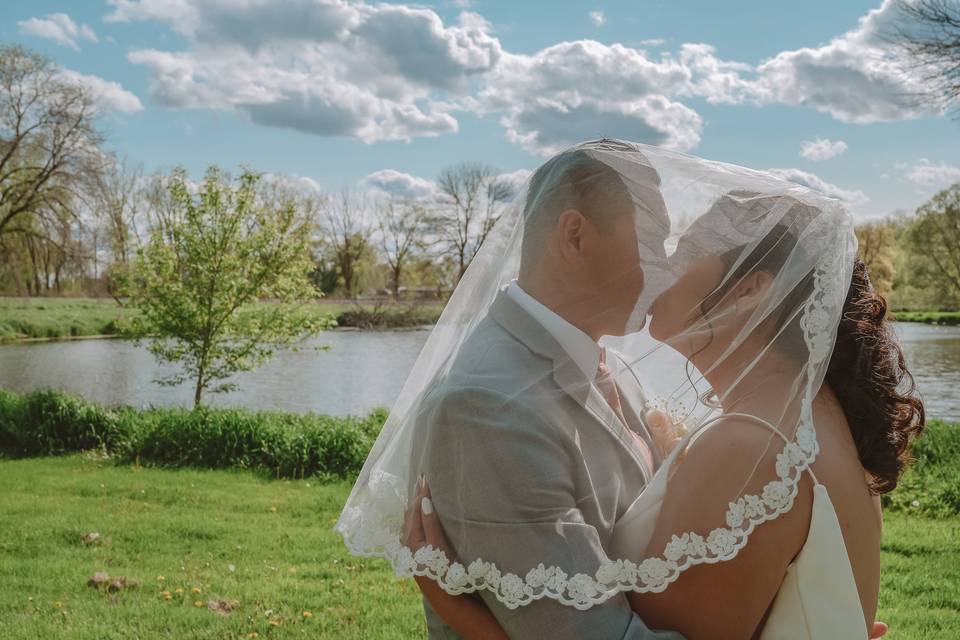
[515,433]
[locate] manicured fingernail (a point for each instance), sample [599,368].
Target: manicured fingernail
[426,505]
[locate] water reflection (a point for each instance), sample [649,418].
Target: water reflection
[933,357]
[360,371]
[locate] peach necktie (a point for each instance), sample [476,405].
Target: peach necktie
[608,388]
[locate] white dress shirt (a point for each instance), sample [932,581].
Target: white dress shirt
[583,350]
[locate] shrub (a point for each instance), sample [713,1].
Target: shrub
[285,445]
[931,486]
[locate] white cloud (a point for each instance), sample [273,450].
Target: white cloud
[928,174]
[853,198]
[58,27]
[856,77]
[396,72]
[110,95]
[652,42]
[574,91]
[822,148]
[405,185]
[515,179]
[328,67]
[401,184]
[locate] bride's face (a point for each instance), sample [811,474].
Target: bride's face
[678,309]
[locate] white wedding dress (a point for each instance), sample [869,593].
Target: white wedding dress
[818,598]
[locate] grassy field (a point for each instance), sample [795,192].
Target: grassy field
[46,318]
[264,549]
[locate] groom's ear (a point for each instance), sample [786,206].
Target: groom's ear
[572,229]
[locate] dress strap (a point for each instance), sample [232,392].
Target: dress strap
[767,424]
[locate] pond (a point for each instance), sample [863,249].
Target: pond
[361,370]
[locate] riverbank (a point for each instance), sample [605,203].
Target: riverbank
[949,318]
[284,445]
[34,319]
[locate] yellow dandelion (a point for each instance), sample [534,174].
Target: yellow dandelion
[198,604]
[275,623]
[253,634]
[273,509]
[58,604]
[178,590]
[196,589]
[167,596]
[307,614]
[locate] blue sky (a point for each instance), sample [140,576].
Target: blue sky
[337,91]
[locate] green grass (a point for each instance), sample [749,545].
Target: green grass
[57,318]
[22,318]
[928,317]
[187,526]
[190,525]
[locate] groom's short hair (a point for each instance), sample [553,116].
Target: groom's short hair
[572,179]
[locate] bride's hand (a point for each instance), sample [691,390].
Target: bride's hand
[421,526]
[665,433]
[466,614]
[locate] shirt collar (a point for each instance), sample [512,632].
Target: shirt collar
[581,348]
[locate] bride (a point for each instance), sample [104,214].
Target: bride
[778,409]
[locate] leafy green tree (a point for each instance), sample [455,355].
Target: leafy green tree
[877,248]
[199,280]
[934,237]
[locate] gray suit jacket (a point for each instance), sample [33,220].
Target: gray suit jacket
[527,464]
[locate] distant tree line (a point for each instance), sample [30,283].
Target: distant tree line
[73,215]
[914,260]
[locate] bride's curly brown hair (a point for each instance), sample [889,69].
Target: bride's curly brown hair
[866,371]
[868,374]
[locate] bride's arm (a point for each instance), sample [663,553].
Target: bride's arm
[728,599]
[465,614]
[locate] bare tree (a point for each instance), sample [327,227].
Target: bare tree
[47,138]
[928,32]
[117,197]
[402,225]
[343,222]
[471,201]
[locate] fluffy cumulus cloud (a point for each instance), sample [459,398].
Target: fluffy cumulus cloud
[396,72]
[930,174]
[598,18]
[854,198]
[856,77]
[110,96]
[398,183]
[577,90]
[822,148]
[405,185]
[328,67]
[58,27]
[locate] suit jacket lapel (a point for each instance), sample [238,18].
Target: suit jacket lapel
[568,376]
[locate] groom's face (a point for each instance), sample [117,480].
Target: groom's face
[613,271]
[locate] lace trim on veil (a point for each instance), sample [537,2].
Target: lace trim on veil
[373,530]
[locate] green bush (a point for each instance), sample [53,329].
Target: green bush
[389,317]
[284,445]
[287,445]
[931,485]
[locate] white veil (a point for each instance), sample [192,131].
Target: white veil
[545,489]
